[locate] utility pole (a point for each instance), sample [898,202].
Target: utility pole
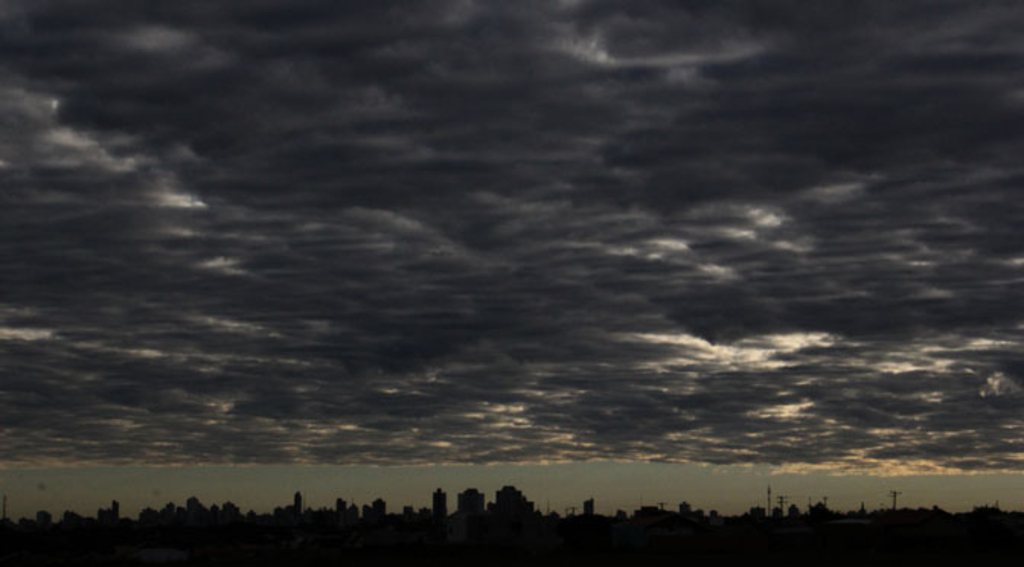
[895,494]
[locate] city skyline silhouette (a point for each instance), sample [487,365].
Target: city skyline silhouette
[553,486]
[507,501]
[507,523]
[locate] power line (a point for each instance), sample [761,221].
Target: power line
[895,494]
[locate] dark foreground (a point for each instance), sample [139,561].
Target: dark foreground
[900,537]
[499,557]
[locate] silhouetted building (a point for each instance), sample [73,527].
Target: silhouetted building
[471,501]
[510,502]
[374,512]
[229,514]
[43,520]
[440,508]
[109,516]
[648,511]
[169,515]
[71,520]
[352,515]
[820,513]
[149,517]
[284,516]
[297,506]
[340,507]
[588,507]
[195,513]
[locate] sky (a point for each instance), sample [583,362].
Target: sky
[736,236]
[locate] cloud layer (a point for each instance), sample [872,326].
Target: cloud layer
[466,231]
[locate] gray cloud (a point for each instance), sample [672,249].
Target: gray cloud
[729,232]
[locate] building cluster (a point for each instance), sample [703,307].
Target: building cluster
[511,519]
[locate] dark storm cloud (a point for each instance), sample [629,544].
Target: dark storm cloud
[725,232]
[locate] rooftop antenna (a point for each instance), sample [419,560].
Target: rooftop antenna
[895,494]
[825,499]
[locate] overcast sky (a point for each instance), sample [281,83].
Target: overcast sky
[782,234]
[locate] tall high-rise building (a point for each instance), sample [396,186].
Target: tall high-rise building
[109,516]
[71,520]
[380,508]
[44,520]
[440,508]
[510,502]
[297,505]
[352,515]
[195,512]
[230,513]
[588,507]
[471,501]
